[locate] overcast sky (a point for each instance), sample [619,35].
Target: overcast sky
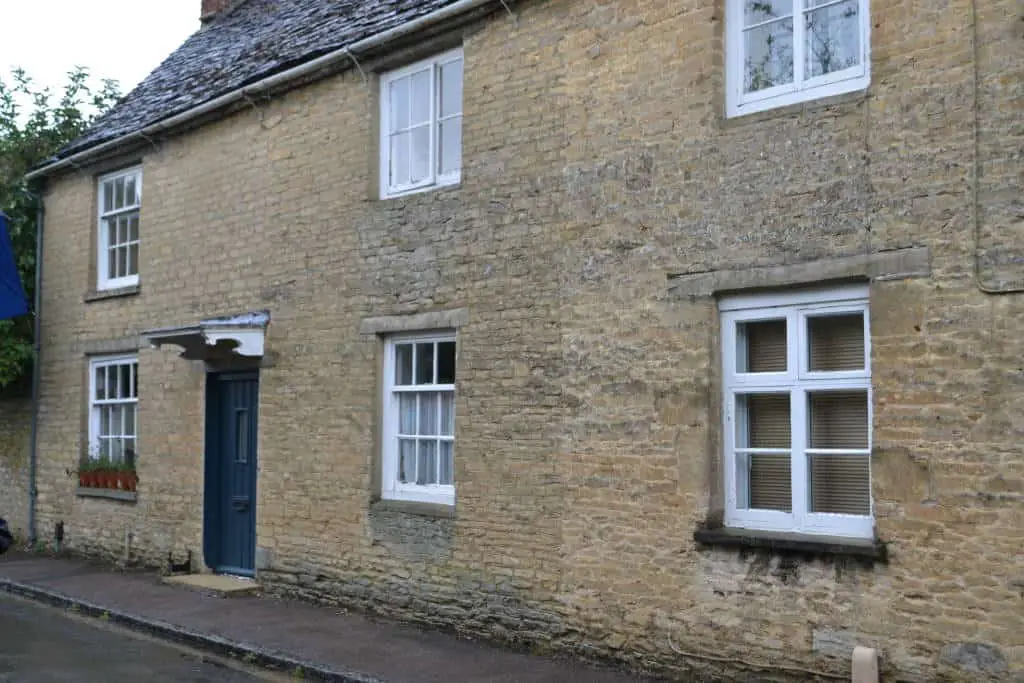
[119,39]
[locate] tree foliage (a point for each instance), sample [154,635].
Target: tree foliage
[35,122]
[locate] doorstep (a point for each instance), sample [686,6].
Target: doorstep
[218,584]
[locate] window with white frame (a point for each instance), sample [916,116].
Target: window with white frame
[120,200]
[781,52]
[113,408]
[797,385]
[421,125]
[419,419]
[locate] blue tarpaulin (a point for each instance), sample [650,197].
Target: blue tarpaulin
[12,296]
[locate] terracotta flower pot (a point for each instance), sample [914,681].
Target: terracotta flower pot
[83,479]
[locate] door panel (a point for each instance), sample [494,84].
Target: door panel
[233,436]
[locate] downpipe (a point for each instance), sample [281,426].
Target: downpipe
[37,298]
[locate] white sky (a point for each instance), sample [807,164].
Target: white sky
[119,39]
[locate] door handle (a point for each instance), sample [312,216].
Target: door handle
[239,504]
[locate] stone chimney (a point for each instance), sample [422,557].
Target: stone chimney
[211,8]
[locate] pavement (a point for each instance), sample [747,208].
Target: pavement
[311,641]
[42,644]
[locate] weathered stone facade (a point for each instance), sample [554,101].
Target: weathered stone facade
[600,178]
[15,432]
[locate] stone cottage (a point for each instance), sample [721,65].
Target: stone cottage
[682,334]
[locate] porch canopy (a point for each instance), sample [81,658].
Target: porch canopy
[216,338]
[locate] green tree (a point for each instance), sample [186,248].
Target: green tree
[35,123]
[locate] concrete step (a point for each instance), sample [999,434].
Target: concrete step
[218,584]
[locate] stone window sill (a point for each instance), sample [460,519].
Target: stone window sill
[100,295]
[110,494]
[412,507]
[803,545]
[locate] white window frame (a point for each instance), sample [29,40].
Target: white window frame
[434,178]
[392,488]
[802,89]
[104,282]
[797,381]
[95,404]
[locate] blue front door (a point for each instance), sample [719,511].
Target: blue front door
[230,509]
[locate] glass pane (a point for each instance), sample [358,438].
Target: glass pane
[119,193]
[756,11]
[420,97]
[836,342]
[770,486]
[406,461]
[116,420]
[135,380]
[116,450]
[104,449]
[399,100]
[420,155]
[101,383]
[425,363]
[111,371]
[403,364]
[129,191]
[448,413]
[833,38]
[840,484]
[446,363]
[122,262]
[129,420]
[105,420]
[768,55]
[426,465]
[108,196]
[129,451]
[111,232]
[450,145]
[451,88]
[838,419]
[761,346]
[447,464]
[428,413]
[133,227]
[400,159]
[122,229]
[125,381]
[133,259]
[407,413]
[762,421]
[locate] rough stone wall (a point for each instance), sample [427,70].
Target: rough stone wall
[15,428]
[597,163]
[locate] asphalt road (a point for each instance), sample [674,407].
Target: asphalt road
[41,644]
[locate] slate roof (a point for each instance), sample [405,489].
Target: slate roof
[252,40]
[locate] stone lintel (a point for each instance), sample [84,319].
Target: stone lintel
[416,322]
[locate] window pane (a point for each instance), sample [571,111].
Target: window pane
[122,261]
[769,481]
[420,97]
[115,415]
[125,381]
[111,231]
[400,159]
[762,421]
[403,364]
[101,382]
[450,145]
[129,451]
[406,461]
[768,55]
[129,420]
[399,101]
[407,413]
[836,342]
[756,11]
[448,413]
[840,484]
[105,420]
[133,227]
[425,363]
[832,38]
[446,363]
[447,464]
[761,346]
[116,450]
[420,155]
[135,380]
[129,191]
[428,413]
[103,448]
[119,193]
[838,419]
[108,196]
[133,259]
[426,465]
[451,88]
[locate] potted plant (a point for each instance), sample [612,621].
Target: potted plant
[126,477]
[87,475]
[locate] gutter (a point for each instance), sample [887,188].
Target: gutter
[37,370]
[246,92]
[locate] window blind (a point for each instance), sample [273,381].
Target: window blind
[836,342]
[770,483]
[768,424]
[839,419]
[840,484]
[765,348]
